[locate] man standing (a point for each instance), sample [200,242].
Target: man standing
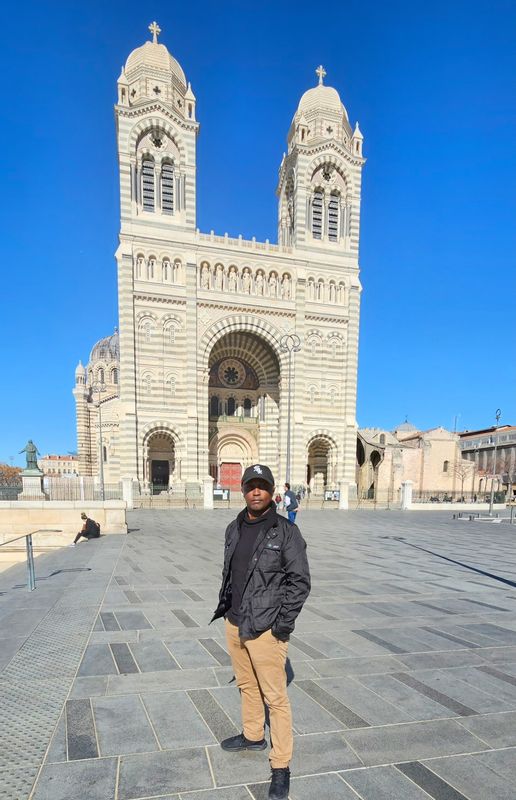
[265,581]
[290,502]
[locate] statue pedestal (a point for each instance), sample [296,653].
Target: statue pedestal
[32,481]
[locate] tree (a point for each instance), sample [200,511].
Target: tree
[9,475]
[462,469]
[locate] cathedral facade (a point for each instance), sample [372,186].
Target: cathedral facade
[224,341]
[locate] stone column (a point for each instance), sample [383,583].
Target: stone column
[127,491]
[406,495]
[208,491]
[192,378]
[344,495]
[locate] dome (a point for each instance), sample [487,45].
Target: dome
[321,97]
[107,349]
[406,427]
[155,56]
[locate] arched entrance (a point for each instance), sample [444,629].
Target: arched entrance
[243,406]
[321,463]
[160,462]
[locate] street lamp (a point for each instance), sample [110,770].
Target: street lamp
[99,389]
[498,414]
[289,343]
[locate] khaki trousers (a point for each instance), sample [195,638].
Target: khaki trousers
[259,666]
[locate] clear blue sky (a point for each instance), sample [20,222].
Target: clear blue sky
[433,86]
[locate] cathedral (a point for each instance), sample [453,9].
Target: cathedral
[229,351]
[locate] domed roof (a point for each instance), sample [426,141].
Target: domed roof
[406,426]
[107,349]
[155,56]
[321,97]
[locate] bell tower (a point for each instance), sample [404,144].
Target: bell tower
[156,132]
[320,175]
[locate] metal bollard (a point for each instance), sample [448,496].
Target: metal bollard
[31,575]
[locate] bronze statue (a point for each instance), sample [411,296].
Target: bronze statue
[32,454]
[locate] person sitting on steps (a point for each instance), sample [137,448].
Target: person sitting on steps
[90,530]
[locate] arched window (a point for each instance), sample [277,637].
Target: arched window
[165,270]
[231,407]
[317,214]
[151,264]
[167,188]
[214,406]
[247,407]
[140,263]
[100,375]
[114,376]
[446,464]
[148,188]
[333,218]
[382,438]
[320,291]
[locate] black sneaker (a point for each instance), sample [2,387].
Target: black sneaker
[280,784]
[236,743]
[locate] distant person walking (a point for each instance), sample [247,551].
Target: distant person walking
[90,529]
[290,503]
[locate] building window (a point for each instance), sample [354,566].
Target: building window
[214,406]
[317,214]
[382,438]
[247,407]
[148,189]
[171,335]
[333,218]
[231,407]
[114,376]
[445,466]
[167,188]
[151,268]
[104,453]
[100,375]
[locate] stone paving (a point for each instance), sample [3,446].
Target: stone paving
[402,669]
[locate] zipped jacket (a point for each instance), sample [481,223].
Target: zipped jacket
[277,581]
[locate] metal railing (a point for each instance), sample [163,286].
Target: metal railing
[31,572]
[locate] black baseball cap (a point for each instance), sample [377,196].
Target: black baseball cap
[258,471]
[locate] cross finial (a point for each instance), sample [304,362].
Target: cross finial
[155,30]
[321,72]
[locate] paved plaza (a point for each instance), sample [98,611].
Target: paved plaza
[402,669]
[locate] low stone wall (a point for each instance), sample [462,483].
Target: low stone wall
[23,516]
[456,507]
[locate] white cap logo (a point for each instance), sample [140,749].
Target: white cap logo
[258,469]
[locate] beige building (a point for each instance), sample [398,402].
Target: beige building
[431,459]
[56,466]
[479,447]
[197,380]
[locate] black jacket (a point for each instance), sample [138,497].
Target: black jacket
[277,581]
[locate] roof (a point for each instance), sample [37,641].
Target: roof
[107,349]
[480,431]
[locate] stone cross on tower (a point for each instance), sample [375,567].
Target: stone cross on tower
[155,30]
[321,72]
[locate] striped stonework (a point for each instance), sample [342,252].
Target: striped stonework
[203,381]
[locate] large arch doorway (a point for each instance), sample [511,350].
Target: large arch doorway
[160,463]
[321,465]
[243,406]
